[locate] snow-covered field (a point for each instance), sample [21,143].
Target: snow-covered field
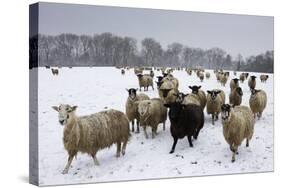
[99,88]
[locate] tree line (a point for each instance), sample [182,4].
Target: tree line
[107,49]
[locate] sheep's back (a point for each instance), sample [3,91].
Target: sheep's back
[258,103]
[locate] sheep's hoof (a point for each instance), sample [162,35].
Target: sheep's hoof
[172,151]
[123,152]
[117,155]
[191,146]
[233,160]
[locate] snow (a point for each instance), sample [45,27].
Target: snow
[98,88]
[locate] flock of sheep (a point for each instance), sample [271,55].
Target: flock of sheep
[91,133]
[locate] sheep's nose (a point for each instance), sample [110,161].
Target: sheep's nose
[61,122]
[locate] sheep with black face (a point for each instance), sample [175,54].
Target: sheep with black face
[215,99]
[196,90]
[186,120]
[235,96]
[252,82]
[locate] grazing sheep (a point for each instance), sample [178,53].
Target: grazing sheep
[257,102]
[132,107]
[238,124]
[242,77]
[145,81]
[186,120]
[55,71]
[263,77]
[88,134]
[235,96]
[215,99]
[201,94]
[252,82]
[152,112]
[234,84]
[208,75]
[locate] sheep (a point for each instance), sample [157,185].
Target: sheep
[170,77]
[238,124]
[252,82]
[138,71]
[201,76]
[219,76]
[242,77]
[122,71]
[234,84]
[186,120]
[257,101]
[88,134]
[151,73]
[187,99]
[223,78]
[215,99]
[263,77]
[201,94]
[152,112]
[55,71]
[132,108]
[246,75]
[189,72]
[208,75]
[235,96]
[234,73]
[167,91]
[145,81]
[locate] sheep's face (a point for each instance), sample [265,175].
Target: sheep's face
[65,113]
[254,92]
[159,78]
[132,93]
[213,94]
[253,78]
[235,80]
[239,91]
[165,92]
[158,84]
[225,112]
[143,107]
[195,89]
[180,97]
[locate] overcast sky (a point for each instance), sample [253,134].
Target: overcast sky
[248,35]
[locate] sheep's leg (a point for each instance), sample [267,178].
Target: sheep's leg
[138,126]
[124,147]
[196,134]
[174,145]
[213,121]
[118,149]
[247,142]
[95,159]
[164,125]
[70,158]
[233,156]
[189,141]
[133,125]
[144,130]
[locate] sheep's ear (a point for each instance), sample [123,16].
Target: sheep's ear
[175,94]
[73,108]
[167,105]
[258,90]
[217,92]
[208,91]
[190,87]
[137,89]
[199,87]
[55,108]
[185,95]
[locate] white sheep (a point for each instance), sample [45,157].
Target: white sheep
[132,106]
[238,124]
[152,112]
[215,99]
[257,102]
[91,133]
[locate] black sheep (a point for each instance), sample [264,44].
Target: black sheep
[186,120]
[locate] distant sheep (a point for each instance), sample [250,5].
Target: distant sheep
[55,71]
[224,78]
[122,71]
[186,120]
[215,99]
[201,76]
[242,77]
[238,124]
[152,112]
[208,75]
[235,96]
[89,134]
[258,102]
[252,82]
[145,81]
[234,83]
[263,77]
[132,107]
[151,73]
